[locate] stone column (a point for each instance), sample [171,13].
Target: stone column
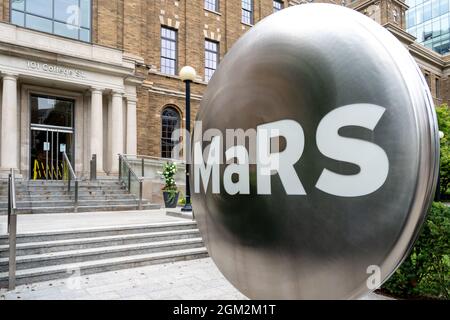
[97,127]
[116,130]
[10,129]
[131,126]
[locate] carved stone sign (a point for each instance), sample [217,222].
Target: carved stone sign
[55,69]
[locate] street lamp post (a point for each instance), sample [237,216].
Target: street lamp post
[188,74]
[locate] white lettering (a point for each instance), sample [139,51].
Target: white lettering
[283,161]
[242,186]
[371,159]
[212,166]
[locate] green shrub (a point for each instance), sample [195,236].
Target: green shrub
[426,272]
[443,114]
[182,201]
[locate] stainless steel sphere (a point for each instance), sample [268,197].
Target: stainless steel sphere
[324,242]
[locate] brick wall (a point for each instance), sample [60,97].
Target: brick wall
[134,27]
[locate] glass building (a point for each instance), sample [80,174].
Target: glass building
[428,21]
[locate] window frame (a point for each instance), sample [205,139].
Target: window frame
[252,10]
[53,20]
[176,50]
[217,53]
[216,5]
[165,139]
[280,2]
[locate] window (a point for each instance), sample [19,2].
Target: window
[48,110]
[67,18]
[427,79]
[168,51]
[211,58]
[247,11]
[212,5]
[438,88]
[277,5]
[170,121]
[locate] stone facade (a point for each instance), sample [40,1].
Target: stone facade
[134,26]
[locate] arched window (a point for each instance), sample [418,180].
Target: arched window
[170,121]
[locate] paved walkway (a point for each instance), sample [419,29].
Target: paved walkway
[61,221]
[186,280]
[195,279]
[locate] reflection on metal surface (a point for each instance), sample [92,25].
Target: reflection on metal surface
[302,64]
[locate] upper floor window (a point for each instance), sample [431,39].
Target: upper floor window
[277,5]
[428,81]
[438,88]
[168,51]
[211,58]
[212,5]
[247,11]
[67,18]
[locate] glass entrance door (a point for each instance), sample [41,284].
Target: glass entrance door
[47,147]
[51,136]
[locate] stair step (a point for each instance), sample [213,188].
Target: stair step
[96,242]
[71,193]
[42,197]
[103,265]
[83,255]
[99,232]
[92,208]
[69,202]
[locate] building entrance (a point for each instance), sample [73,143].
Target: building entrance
[52,134]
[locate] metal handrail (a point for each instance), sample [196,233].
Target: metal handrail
[122,159]
[12,229]
[154,158]
[73,176]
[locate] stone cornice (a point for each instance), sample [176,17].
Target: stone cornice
[363,4]
[174,93]
[427,55]
[400,33]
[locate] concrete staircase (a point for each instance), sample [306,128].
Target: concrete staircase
[61,254]
[40,196]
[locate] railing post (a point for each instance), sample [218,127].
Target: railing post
[12,231]
[129,179]
[120,167]
[94,167]
[143,172]
[76,196]
[12,251]
[9,201]
[140,194]
[68,185]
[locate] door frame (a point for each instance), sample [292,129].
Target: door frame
[80,99]
[50,128]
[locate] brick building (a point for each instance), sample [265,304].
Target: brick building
[101,76]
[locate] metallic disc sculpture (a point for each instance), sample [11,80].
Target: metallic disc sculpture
[326,197]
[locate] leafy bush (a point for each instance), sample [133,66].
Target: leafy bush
[426,272]
[182,201]
[443,113]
